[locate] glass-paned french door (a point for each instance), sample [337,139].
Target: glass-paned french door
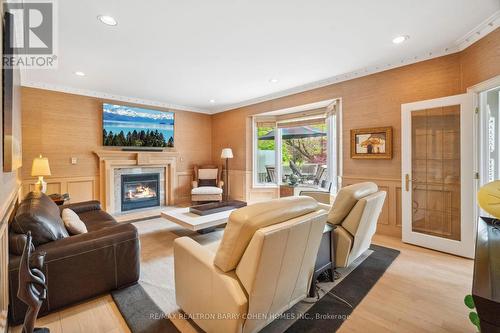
[438,200]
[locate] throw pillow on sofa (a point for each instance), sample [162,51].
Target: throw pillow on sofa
[72,222]
[40,215]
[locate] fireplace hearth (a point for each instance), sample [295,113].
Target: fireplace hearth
[140,191]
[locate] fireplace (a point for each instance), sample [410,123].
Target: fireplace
[140,190]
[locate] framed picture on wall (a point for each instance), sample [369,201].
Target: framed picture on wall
[371,143]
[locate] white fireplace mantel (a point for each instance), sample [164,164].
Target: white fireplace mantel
[112,159]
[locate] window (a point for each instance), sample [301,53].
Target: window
[265,154]
[304,155]
[491,138]
[298,151]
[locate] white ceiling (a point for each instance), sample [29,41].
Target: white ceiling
[187,52]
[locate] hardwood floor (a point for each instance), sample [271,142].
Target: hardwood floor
[99,315]
[422,291]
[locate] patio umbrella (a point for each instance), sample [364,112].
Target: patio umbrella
[298,132]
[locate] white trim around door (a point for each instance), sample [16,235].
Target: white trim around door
[464,245]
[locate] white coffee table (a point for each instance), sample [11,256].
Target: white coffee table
[199,223]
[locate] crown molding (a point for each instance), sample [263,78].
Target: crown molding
[108,96]
[481,30]
[395,63]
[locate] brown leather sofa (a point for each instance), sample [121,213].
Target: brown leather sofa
[76,267]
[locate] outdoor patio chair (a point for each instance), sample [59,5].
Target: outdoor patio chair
[271,173]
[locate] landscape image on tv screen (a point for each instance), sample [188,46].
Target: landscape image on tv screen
[137,127]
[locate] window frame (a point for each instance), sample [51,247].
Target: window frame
[255,181]
[334,149]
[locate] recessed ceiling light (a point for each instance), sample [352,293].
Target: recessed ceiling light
[106,19]
[212,101]
[400,39]
[273,80]
[80,73]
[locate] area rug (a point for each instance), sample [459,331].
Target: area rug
[150,305]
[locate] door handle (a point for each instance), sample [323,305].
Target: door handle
[407,181]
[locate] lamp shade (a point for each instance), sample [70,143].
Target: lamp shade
[488,198]
[226,153]
[40,167]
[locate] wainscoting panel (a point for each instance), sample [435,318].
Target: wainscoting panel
[240,184]
[384,215]
[183,191]
[399,207]
[82,190]
[237,184]
[4,284]
[389,222]
[6,213]
[87,188]
[263,194]
[79,188]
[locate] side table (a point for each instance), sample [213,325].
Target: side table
[59,199]
[325,261]
[286,190]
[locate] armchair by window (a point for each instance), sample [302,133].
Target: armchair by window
[207,184]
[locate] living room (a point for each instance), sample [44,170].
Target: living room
[160,176]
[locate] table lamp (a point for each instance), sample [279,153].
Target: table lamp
[39,169]
[488,198]
[227,153]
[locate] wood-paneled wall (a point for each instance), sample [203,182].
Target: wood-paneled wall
[61,126]
[9,191]
[81,188]
[389,222]
[370,101]
[4,276]
[10,204]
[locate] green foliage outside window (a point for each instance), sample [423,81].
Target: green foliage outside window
[300,150]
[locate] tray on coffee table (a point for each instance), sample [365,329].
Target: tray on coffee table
[216,207]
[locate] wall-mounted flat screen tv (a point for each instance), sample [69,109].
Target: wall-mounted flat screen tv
[130,126]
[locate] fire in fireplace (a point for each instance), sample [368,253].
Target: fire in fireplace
[140,190]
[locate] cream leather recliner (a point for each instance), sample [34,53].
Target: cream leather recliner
[355,212]
[262,267]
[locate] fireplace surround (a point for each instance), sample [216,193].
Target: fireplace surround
[140,191]
[111,160]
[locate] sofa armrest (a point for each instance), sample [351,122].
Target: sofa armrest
[194,184]
[222,291]
[220,184]
[81,207]
[17,242]
[89,241]
[82,266]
